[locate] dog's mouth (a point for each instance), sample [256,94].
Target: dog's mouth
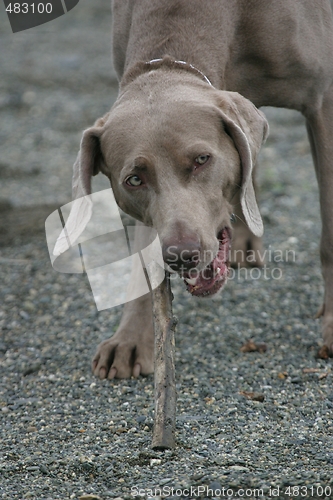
[211,279]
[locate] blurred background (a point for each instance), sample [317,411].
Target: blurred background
[56,80]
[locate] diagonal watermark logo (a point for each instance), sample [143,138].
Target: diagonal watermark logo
[87,235]
[24,15]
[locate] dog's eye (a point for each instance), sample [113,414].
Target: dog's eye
[201,159]
[134,181]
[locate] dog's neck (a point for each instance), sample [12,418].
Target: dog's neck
[144,67]
[184,65]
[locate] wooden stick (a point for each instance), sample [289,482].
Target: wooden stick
[165,387]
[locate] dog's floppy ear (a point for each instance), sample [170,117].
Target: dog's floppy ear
[88,160]
[87,164]
[248,128]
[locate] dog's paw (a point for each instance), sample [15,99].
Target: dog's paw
[125,355]
[246,249]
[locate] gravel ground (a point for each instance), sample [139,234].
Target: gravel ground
[65,434]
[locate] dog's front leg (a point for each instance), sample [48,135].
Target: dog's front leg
[130,351]
[320,130]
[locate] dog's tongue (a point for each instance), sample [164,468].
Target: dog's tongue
[214,276]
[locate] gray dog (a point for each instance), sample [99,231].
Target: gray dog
[186,127]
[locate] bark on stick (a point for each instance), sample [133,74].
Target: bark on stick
[165,387]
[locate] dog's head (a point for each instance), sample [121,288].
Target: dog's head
[176,152]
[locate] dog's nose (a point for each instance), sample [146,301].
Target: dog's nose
[181,255]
